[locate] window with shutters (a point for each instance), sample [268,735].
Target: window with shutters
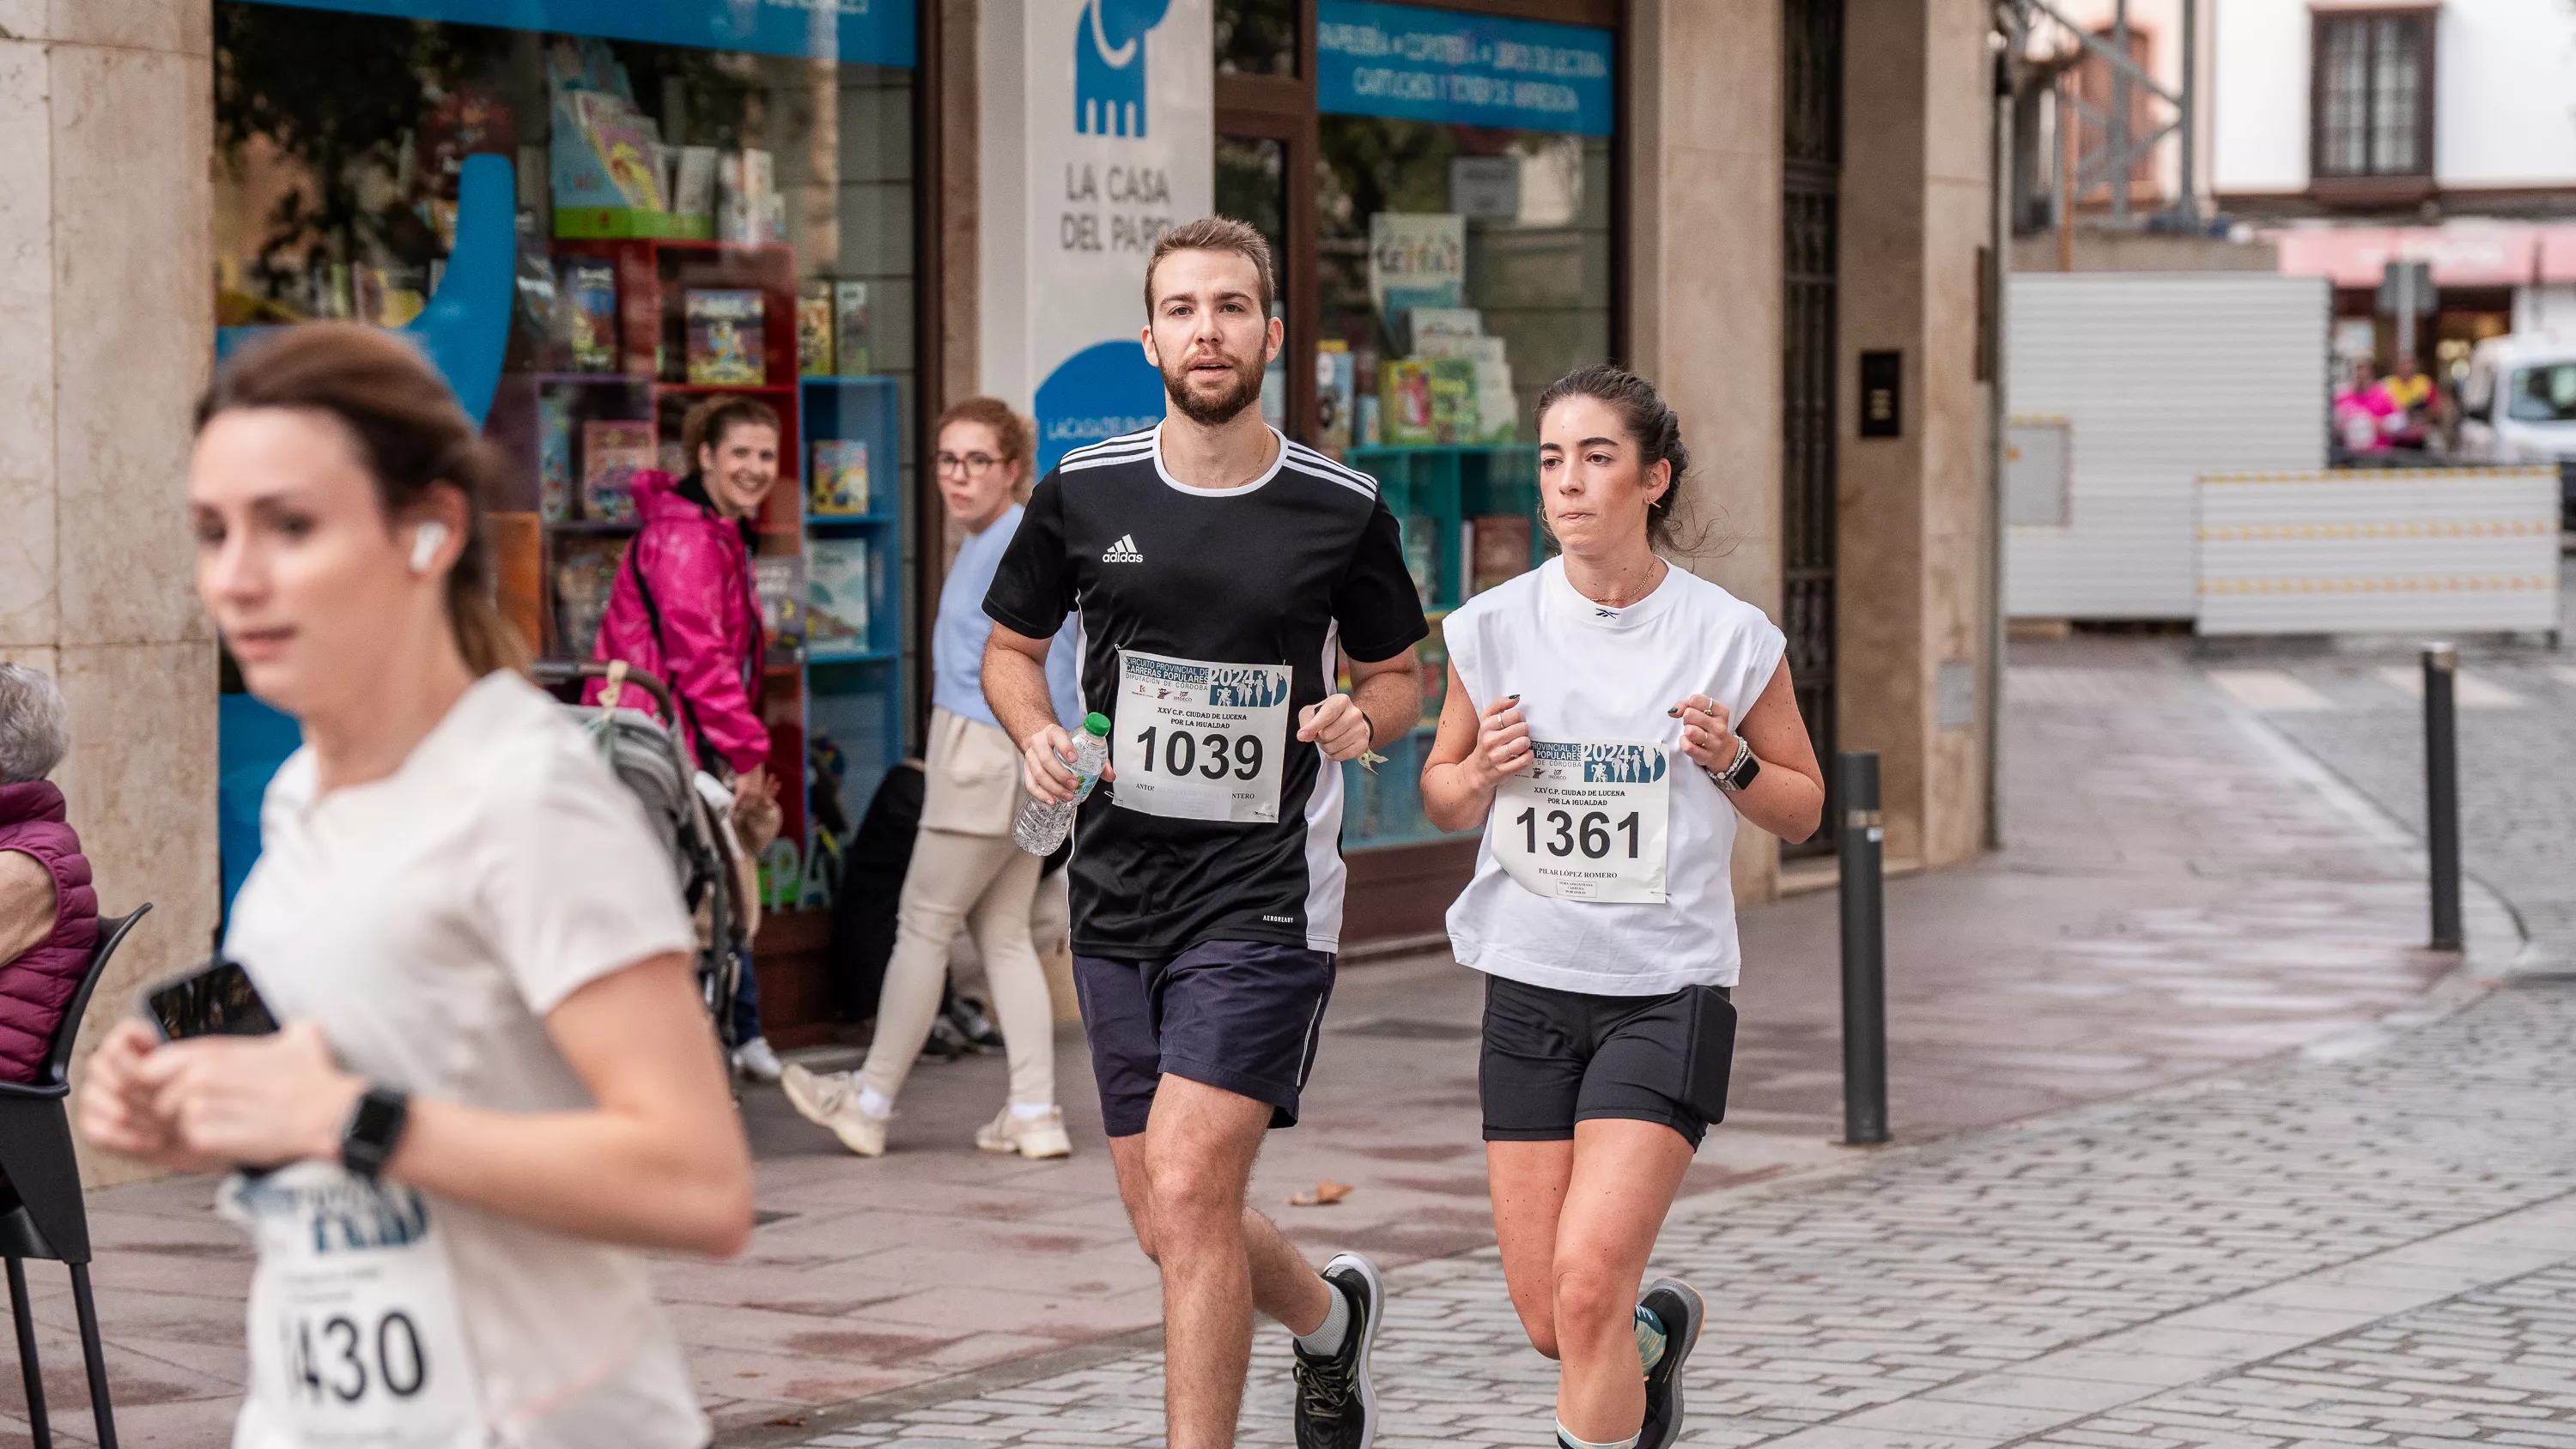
[2373,114]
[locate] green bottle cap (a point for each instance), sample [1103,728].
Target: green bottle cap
[1097,724]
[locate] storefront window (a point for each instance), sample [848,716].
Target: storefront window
[1463,218]
[1256,37]
[591,234]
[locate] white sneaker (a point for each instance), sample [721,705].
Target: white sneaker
[833,1102]
[755,1059]
[1034,1138]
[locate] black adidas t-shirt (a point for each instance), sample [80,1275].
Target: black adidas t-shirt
[1286,569]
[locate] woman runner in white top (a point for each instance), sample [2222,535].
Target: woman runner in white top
[495,1080]
[1609,715]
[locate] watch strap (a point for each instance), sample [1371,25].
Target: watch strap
[374,1130]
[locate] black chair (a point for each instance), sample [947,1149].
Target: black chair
[41,1215]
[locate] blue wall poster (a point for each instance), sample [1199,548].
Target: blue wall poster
[1415,64]
[860,32]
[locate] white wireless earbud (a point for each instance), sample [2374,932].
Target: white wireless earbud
[425,542]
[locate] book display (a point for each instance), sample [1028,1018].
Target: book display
[1469,515]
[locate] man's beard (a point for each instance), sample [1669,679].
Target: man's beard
[1222,409]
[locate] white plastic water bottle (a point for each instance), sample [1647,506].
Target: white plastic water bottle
[1043,823]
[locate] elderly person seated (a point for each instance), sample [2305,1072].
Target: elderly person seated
[48,913]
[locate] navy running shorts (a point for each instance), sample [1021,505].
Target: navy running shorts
[1239,1015]
[1554,1058]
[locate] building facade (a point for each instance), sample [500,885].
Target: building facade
[593,212]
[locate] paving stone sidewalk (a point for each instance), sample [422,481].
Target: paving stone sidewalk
[2373,1242]
[2182,892]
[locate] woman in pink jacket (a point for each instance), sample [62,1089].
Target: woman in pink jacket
[684,610]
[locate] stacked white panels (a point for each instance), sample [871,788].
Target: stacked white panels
[2160,378]
[2379,550]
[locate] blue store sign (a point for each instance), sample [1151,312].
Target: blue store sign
[1475,70]
[863,32]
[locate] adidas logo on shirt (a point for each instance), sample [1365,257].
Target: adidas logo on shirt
[1123,551]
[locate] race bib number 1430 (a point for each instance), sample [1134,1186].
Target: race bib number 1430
[1585,821]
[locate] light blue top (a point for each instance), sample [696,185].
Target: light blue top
[957,644]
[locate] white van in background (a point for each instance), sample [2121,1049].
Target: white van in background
[2518,405]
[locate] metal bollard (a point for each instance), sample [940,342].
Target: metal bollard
[2442,791]
[1858,845]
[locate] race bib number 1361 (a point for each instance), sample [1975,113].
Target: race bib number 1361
[1585,821]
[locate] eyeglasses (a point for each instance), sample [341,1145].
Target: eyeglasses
[971,464]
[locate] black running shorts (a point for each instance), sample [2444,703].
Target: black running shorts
[1241,1015]
[1554,1058]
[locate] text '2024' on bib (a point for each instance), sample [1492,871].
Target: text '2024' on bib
[1199,741]
[356,1338]
[1585,820]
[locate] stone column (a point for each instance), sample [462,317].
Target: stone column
[106,297]
[1704,300]
[1911,565]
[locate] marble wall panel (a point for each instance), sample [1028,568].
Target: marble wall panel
[27,612]
[132,239]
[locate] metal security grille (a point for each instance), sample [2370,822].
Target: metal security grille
[1812,156]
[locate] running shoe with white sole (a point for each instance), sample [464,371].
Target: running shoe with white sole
[1336,1406]
[833,1102]
[1036,1138]
[1676,1305]
[757,1060]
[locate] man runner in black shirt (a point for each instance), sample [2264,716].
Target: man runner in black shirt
[1222,573]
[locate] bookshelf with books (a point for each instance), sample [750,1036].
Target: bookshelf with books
[657,325]
[1469,517]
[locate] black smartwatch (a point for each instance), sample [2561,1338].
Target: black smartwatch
[1739,774]
[374,1129]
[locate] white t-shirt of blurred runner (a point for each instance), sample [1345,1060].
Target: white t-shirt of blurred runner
[428,921]
[1586,672]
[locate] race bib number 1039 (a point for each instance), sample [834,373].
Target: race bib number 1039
[1199,741]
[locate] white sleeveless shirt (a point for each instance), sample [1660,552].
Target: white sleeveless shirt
[1598,680]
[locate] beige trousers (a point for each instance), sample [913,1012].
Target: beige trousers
[986,884]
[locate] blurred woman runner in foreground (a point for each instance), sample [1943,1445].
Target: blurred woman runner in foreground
[966,868]
[1608,717]
[495,1081]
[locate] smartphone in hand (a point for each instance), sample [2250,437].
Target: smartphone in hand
[216,999]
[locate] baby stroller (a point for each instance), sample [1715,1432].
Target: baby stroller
[689,812]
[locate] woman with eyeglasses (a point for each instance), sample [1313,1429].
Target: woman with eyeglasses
[965,867]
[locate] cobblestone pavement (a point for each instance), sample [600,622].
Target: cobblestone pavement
[2182,893]
[2373,1242]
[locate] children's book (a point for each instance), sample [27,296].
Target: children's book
[1496,547]
[612,453]
[840,476]
[589,310]
[1336,396]
[1404,396]
[836,591]
[850,327]
[814,328]
[585,572]
[694,191]
[779,578]
[1422,556]
[1453,400]
[554,455]
[727,344]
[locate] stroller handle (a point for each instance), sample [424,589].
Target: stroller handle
[561,671]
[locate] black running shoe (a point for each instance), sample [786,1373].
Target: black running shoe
[1336,1408]
[1676,1306]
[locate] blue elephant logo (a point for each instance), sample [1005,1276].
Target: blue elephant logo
[1109,65]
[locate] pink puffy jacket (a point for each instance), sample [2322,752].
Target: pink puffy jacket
[37,985]
[706,642]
